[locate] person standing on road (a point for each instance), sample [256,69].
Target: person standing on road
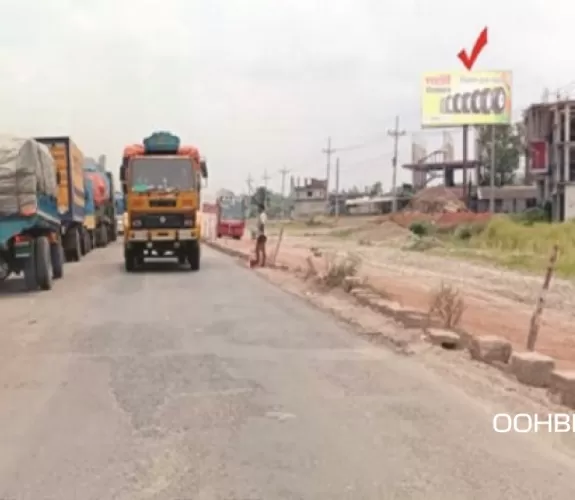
[261,237]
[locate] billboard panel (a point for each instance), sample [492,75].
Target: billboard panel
[456,98]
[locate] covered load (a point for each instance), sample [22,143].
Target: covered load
[100,182]
[27,170]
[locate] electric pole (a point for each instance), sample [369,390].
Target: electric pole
[396,134]
[284,171]
[337,187]
[249,181]
[328,152]
[266,178]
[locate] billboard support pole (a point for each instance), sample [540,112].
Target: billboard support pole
[492,172]
[465,142]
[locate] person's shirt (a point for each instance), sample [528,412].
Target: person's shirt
[262,219]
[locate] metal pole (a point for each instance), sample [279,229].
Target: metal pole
[492,172]
[337,188]
[396,134]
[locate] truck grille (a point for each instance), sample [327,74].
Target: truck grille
[159,221]
[163,203]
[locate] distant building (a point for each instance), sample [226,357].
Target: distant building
[550,137]
[309,198]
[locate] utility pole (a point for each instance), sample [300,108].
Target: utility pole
[266,179]
[396,134]
[492,172]
[249,181]
[337,188]
[284,171]
[328,152]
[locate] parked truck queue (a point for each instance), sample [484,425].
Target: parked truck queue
[57,205]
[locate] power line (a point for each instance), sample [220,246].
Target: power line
[396,134]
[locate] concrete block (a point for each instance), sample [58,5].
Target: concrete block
[490,349]
[444,338]
[562,387]
[352,282]
[385,306]
[363,296]
[532,368]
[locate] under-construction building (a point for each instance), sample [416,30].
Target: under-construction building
[550,136]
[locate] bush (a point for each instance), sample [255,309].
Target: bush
[531,216]
[447,305]
[467,231]
[420,228]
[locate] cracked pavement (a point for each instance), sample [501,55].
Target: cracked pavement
[171,385]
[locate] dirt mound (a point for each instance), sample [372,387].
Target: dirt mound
[384,231]
[437,199]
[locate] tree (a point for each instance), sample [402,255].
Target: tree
[509,146]
[376,189]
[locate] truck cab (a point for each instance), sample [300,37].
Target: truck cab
[161,182]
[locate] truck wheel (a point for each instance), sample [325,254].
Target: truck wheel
[83,247]
[57,258]
[194,255]
[102,236]
[88,241]
[74,251]
[129,260]
[30,275]
[44,271]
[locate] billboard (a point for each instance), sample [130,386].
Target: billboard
[456,98]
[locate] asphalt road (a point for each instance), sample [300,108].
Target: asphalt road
[217,385]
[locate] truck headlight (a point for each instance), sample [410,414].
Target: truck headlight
[137,223]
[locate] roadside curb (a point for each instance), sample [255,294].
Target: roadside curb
[530,369]
[232,252]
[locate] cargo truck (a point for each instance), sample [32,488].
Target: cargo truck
[231,216]
[105,230]
[30,224]
[161,180]
[71,193]
[89,217]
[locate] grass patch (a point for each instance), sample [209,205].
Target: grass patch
[517,244]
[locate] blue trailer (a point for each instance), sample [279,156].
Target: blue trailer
[31,244]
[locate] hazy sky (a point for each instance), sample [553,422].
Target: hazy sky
[260,84]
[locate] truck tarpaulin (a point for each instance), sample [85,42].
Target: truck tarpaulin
[100,183]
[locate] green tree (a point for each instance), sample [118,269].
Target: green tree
[376,189]
[509,147]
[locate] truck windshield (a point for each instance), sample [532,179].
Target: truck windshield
[150,174]
[232,210]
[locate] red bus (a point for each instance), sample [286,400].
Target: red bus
[231,217]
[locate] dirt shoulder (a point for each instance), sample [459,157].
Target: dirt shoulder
[498,301]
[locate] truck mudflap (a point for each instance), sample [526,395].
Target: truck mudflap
[22,247]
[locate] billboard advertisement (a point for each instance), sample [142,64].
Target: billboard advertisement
[456,98]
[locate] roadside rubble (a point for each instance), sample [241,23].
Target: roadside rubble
[408,331]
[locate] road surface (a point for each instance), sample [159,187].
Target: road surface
[216,385]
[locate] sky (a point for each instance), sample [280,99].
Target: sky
[260,85]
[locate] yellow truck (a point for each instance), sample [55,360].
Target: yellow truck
[161,181]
